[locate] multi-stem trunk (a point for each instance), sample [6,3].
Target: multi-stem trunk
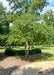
[26,50]
[50,42]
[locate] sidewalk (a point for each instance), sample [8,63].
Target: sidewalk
[39,68]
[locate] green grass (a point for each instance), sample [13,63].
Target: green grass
[2,49]
[50,54]
[16,48]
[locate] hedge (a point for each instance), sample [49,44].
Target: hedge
[11,52]
[35,51]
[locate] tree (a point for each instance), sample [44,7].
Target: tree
[23,30]
[4,25]
[26,30]
[48,17]
[2,11]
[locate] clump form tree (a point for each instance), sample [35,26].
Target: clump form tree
[27,30]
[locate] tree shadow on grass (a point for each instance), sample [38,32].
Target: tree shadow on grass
[45,58]
[7,71]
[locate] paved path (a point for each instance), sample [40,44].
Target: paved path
[40,68]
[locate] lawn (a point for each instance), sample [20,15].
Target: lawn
[50,54]
[14,48]
[2,49]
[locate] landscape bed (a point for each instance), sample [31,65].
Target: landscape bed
[48,50]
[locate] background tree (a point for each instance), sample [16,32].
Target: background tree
[4,25]
[48,17]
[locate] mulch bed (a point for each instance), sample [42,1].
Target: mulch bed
[31,58]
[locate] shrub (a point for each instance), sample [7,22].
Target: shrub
[20,52]
[35,51]
[11,52]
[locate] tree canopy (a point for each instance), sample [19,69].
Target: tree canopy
[32,6]
[48,18]
[26,28]
[4,25]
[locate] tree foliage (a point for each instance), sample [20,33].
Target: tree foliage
[26,28]
[4,25]
[48,18]
[31,6]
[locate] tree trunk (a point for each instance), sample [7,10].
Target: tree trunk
[50,42]
[26,50]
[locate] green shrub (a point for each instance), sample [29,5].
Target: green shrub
[20,52]
[11,52]
[35,51]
